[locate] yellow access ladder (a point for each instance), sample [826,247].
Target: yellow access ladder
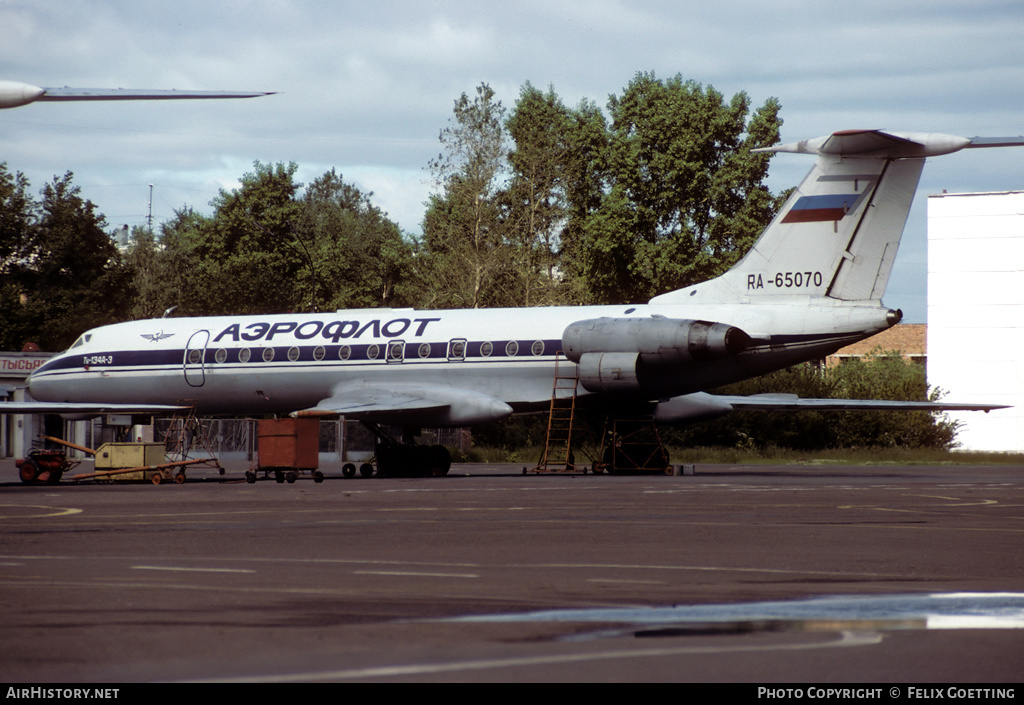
[557,455]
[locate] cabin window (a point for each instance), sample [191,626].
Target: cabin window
[396,351]
[293,354]
[424,350]
[221,356]
[538,347]
[372,352]
[512,349]
[244,354]
[486,349]
[319,352]
[268,354]
[457,350]
[195,356]
[344,352]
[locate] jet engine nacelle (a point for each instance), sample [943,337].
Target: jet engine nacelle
[611,351]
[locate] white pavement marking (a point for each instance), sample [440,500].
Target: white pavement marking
[847,639]
[182,569]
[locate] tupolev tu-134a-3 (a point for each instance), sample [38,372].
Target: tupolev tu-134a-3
[812,283]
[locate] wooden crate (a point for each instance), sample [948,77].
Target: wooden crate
[288,443]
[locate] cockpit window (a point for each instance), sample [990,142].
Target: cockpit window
[82,340]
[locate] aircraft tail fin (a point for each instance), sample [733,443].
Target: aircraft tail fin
[837,235]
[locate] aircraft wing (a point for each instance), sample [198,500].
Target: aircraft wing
[66,94]
[55,407]
[15,93]
[791,402]
[410,404]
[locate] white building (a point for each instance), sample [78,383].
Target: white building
[976,312]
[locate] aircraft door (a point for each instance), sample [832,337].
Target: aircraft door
[194,362]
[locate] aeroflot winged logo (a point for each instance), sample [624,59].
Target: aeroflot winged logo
[332,330]
[156,337]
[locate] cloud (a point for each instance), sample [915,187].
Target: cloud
[366,87]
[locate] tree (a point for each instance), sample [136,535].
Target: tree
[244,259]
[62,271]
[268,248]
[360,258]
[535,204]
[461,231]
[148,276]
[684,183]
[17,217]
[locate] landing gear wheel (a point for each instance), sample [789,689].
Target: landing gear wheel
[348,470]
[28,472]
[439,461]
[366,470]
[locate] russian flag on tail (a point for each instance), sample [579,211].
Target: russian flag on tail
[816,209]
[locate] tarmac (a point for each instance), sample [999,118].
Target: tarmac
[796,574]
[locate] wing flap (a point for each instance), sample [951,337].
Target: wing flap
[412,404]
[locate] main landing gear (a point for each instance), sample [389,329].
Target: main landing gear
[633,448]
[404,458]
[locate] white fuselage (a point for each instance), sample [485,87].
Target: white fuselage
[285,363]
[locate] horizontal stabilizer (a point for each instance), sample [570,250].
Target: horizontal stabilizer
[982,142]
[877,143]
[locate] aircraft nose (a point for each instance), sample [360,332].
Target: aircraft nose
[37,383]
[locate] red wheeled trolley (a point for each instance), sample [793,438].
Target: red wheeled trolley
[287,447]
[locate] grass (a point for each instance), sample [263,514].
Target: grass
[771,456]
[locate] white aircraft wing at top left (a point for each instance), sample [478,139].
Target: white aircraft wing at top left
[14,94]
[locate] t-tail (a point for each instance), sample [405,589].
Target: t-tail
[837,235]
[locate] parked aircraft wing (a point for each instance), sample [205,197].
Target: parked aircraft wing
[791,402]
[15,93]
[421,404]
[701,406]
[65,94]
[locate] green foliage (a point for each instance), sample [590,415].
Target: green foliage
[359,257]
[685,196]
[466,257]
[535,204]
[268,248]
[61,271]
[669,193]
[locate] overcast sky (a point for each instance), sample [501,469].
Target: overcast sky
[365,88]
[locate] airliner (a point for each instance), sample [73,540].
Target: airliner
[811,284]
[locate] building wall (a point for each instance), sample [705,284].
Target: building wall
[976,312]
[907,338]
